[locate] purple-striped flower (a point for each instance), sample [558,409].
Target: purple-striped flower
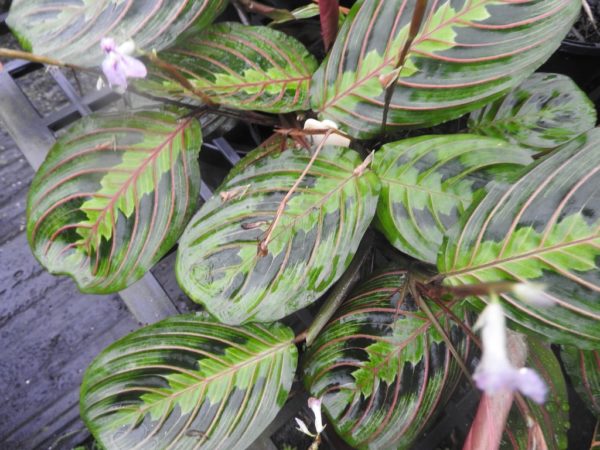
[119,65]
[495,372]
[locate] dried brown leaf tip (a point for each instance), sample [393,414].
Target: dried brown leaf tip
[263,249]
[239,191]
[253,225]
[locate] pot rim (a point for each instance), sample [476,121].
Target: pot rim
[580,48]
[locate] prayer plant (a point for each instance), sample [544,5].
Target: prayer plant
[504,211]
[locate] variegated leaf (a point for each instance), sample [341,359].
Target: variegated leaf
[189,382]
[544,228]
[71,31]
[244,67]
[464,55]
[113,196]
[428,182]
[381,367]
[543,112]
[314,241]
[533,426]
[302,12]
[583,366]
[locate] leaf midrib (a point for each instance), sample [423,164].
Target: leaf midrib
[500,262]
[254,360]
[420,188]
[387,61]
[133,178]
[212,85]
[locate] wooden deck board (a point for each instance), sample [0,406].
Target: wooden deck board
[49,331]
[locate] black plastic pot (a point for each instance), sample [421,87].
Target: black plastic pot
[578,48]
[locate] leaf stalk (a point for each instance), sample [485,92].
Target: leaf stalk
[263,245]
[340,291]
[19,54]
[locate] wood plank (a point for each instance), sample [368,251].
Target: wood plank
[50,333]
[146,299]
[23,123]
[52,308]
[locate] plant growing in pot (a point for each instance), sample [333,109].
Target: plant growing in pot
[494,230]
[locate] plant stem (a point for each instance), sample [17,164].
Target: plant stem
[341,289]
[301,337]
[263,245]
[182,80]
[415,25]
[241,14]
[343,9]
[439,291]
[19,54]
[435,322]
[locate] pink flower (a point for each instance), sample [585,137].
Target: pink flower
[118,65]
[495,372]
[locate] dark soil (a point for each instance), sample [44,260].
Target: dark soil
[585,31]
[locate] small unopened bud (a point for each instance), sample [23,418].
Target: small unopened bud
[127,47]
[533,293]
[335,138]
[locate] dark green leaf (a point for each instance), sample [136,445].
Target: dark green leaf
[71,30]
[583,366]
[112,197]
[240,66]
[189,382]
[313,243]
[528,422]
[545,111]
[428,182]
[464,55]
[543,228]
[380,365]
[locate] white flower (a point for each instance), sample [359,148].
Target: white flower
[315,405]
[533,293]
[325,125]
[118,65]
[303,428]
[495,372]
